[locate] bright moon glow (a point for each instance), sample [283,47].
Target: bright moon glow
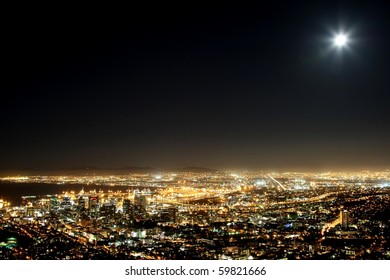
[340,40]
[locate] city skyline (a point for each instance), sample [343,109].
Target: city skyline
[217,86]
[197,215]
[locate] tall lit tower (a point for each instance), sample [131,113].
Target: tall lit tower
[127,206]
[344,216]
[93,206]
[140,200]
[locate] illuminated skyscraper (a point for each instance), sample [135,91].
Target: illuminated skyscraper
[81,203]
[344,215]
[93,206]
[107,210]
[140,200]
[127,207]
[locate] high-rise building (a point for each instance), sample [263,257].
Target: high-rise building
[127,206]
[107,210]
[93,206]
[344,215]
[81,203]
[140,200]
[66,202]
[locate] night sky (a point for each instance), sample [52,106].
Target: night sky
[219,86]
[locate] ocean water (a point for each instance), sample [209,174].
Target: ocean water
[13,192]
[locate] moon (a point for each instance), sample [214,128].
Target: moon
[340,40]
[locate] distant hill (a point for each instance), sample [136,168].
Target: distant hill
[91,170]
[196,169]
[134,169]
[119,170]
[138,169]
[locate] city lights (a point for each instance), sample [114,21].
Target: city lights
[250,215]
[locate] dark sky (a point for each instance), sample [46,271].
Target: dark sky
[250,86]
